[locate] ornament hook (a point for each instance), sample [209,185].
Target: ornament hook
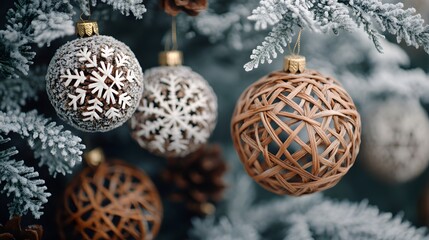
[297,44]
[89,13]
[171,56]
[295,63]
[173,37]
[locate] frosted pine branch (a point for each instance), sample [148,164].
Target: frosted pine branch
[21,184]
[335,15]
[223,21]
[31,21]
[271,12]
[136,7]
[345,220]
[58,150]
[50,26]
[41,22]
[404,23]
[15,92]
[304,218]
[278,38]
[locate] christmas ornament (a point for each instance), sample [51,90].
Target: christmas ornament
[395,143]
[12,230]
[190,7]
[178,110]
[111,201]
[94,83]
[296,131]
[197,179]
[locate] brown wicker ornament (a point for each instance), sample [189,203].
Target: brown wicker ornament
[111,201]
[296,133]
[197,179]
[12,230]
[190,7]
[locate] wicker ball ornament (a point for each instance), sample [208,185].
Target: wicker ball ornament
[395,139]
[111,201]
[94,83]
[177,112]
[296,133]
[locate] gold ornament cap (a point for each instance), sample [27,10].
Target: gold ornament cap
[170,58]
[294,64]
[94,157]
[86,28]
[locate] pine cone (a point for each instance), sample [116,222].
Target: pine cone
[12,231]
[197,179]
[190,7]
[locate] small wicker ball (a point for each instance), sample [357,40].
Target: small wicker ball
[94,83]
[296,133]
[395,143]
[177,112]
[112,201]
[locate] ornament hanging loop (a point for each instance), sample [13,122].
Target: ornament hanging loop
[295,63]
[86,28]
[297,44]
[171,56]
[174,33]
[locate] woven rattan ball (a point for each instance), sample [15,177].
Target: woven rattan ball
[95,83]
[111,201]
[177,112]
[395,139]
[296,133]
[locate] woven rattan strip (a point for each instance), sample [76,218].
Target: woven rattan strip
[296,133]
[112,201]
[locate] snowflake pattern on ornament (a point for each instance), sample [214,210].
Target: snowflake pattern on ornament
[105,82]
[177,112]
[95,83]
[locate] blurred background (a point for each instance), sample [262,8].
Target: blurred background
[391,91]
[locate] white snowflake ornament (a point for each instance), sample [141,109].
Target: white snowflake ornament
[395,139]
[177,113]
[95,83]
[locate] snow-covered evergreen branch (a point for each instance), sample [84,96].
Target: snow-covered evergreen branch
[335,15]
[58,150]
[382,75]
[136,7]
[31,21]
[41,22]
[15,92]
[21,183]
[222,21]
[404,23]
[278,38]
[304,218]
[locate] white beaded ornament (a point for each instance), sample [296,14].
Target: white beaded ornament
[177,112]
[94,83]
[395,144]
